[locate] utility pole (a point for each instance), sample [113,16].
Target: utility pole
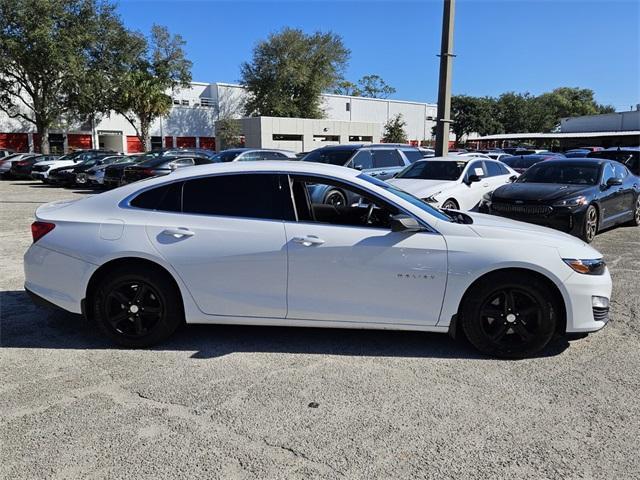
[444,85]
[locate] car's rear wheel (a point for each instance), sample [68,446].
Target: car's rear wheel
[589,227]
[636,213]
[450,204]
[137,308]
[335,198]
[509,317]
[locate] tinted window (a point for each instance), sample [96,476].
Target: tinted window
[434,170]
[493,169]
[620,170]
[166,197]
[244,195]
[274,156]
[362,160]
[562,174]
[413,155]
[477,168]
[608,173]
[386,158]
[332,156]
[227,156]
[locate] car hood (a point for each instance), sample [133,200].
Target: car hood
[119,166]
[56,163]
[421,188]
[539,192]
[500,228]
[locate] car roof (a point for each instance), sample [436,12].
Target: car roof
[453,158]
[581,162]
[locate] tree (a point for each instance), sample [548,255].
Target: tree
[51,53]
[373,86]
[290,70]
[159,66]
[567,102]
[345,87]
[228,132]
[473,114]
[394,130]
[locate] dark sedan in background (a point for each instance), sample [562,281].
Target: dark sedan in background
[630,156]
[66,176]
[159,166]
[577,196]
[22,169]
[520,163]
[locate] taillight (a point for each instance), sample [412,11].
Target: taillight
[22,163]
[149,172]
[40,229]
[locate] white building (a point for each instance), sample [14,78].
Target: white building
[191,123]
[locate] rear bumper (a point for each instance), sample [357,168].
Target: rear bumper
[56,278]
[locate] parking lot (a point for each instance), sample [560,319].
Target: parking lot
[252,402]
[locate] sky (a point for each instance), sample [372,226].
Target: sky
[509,45]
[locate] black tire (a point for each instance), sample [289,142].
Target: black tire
[137,307]
[636,214]
[450,204]
[335,198]
[515,328]
[590,224]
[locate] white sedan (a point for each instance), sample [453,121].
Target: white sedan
[241,243]
[453,183]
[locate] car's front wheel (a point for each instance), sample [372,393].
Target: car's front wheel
[589,226]
[450,204]
[335,198]
[137,307]
[509,316]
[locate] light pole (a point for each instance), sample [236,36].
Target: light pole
[444,84]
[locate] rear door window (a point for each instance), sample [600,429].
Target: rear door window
[167,197]
[242,195]
[386,158]
[413,155]
[493,169]
[363,160]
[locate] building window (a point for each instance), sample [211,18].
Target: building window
[156,143]
[360,138]
[207,102]
[326,138]
[286,137]
[185,103]
[347,106]
[176,101]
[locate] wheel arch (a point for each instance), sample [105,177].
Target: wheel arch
[558,297]
[129,261]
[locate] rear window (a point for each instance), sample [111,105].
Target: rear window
[413,155]
[386,158]
[331,156]
[166,197]
[242,195]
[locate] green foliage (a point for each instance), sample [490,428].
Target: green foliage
[371,86]
[394,130]
[228,132]
[290,70]
[515,112]
[52,53]
[159,65]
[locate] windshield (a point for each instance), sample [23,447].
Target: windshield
[561,174]
[331,156]
[440,215]
[227,156]
[434,170]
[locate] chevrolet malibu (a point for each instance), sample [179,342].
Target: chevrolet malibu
[242,243]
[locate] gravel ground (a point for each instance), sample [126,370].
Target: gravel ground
[250,402]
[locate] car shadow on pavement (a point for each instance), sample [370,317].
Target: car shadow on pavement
[25,325]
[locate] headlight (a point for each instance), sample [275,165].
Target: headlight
[432,198]
[587,267]
[572,202]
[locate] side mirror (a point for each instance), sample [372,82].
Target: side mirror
[173,166]
[405,223]
[613,181]
[472,179]
[513,178]
[358,167]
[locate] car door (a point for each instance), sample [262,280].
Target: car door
[610,196]
[357,272]
[497,175]
[470,193]
[386,163]
[228,243]
[627,197]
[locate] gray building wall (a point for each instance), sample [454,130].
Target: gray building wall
[610,122]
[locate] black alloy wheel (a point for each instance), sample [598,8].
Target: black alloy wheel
[590,225]
[509,316]
[636,213]
[137,308]
[335,198]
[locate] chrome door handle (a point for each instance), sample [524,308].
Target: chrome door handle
[178,232]
[308,240]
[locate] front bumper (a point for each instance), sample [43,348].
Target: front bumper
[582,316]
[565,219]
